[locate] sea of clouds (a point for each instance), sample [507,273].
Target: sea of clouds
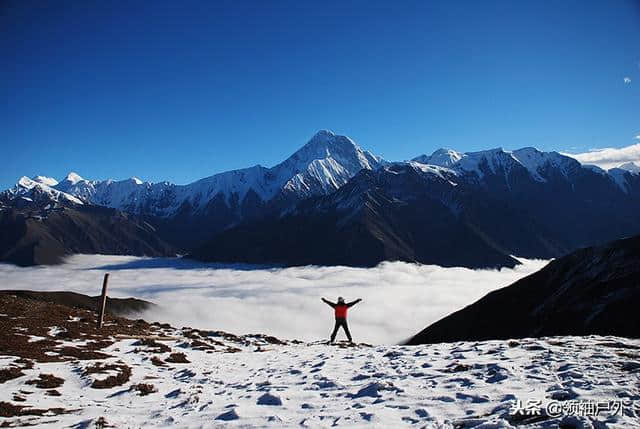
[399,299]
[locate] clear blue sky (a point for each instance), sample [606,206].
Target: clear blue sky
[181,90]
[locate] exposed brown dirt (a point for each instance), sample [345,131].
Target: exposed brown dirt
[144,388]
[24,318]
[25,363]
[177,357]
[153,346]
[201,345]
[155,360]
[123,375]
[8,409]
[10,373]
[46,381]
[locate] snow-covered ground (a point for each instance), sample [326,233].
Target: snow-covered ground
[461,385]
[399,299]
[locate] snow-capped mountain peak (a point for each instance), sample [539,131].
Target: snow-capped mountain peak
[25,182]
[32,190]
[325,144]
[442,157]
[534,160]
[324,164]
[631,167]
[467,161]
[473,162]
[73,178]
[49,181]
[621,174]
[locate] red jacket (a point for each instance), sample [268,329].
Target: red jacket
[341,311]
[340,308]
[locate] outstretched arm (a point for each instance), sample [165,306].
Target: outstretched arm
[354,302]
[329,303]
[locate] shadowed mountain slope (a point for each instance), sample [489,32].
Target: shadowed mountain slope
[44,236]
[592,291]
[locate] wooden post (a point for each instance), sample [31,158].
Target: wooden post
[103,301]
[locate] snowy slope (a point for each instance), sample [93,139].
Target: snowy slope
[256,381]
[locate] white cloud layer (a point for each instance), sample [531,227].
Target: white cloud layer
[399,299]
[610,157]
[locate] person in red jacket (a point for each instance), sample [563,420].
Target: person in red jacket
[340,310]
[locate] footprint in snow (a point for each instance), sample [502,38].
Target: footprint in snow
[393,354]
[476,399]
[496,373]
[509,397]
[421,412]
[367,416]
[229,415]
[460,381]
[269,399]
[561,393]
[184,374]
[325,384]
[373,390]
[360,377]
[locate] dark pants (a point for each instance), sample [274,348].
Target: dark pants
[341,322]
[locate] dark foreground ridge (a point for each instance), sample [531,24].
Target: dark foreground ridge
[593,291]
[39,326]
[115,306]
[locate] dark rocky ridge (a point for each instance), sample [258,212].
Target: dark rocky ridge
[592,291]
[402,212]
[33,235]
[115,306]
[362,224]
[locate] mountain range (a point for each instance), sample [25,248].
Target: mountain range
[332,202]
